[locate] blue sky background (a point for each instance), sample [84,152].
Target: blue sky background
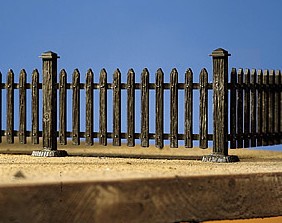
[136,34]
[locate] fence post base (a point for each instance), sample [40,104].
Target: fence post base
[49,153]
[217,158]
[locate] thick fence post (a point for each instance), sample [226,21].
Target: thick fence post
[49,134]
[220,108]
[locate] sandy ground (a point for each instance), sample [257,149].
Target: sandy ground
[148,163]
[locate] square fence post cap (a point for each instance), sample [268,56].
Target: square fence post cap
[220,53]
[49,55]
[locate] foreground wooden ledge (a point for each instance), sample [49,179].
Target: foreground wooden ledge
[101,189]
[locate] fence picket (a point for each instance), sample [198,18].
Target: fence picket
[63,108]
[131,108]
[188,128]
[265,104]
[271,108]
[103,108]
[89,108]
[259,108]
[203,109]
[240,109]
[233,107]
[116,108]
[277,108]
[159,109]
[10,108]
[280,104]
[76,107]
[253,108]
[22,107]
[174,109]
[247,108]
[35,107]
[145,108]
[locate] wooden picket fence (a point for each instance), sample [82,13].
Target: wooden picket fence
[254,113]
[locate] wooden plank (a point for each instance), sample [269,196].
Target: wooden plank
[259,108]
[188,128]
[265,120]
[22,107]
[103,108]
[10,108]
[116,108]
[89,108]
[145,108]
[131,108]
[159,109]
[247,108]
[280,113]
[277,108]
[174,109]
[233,108]
[240,109]
[35,107]
[203,143]
[271,108]
[75,107]
[170,199]
[253,108]
[63,108]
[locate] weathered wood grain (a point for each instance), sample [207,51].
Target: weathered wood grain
[63,108]
[35,107]
[265,104]
[145,108]
[159,109]
[247,108]
[116,108]
[188,100]
[10,107]
[174,109]
[89,108]
[240,109]
[220,101]
[277,107]
[49,91]
[1,107]
[131,108]
[22,107]
[203,118]
[271,107]
[103,108]
[145,200]
[253,108]
[233,109]
[75,107]
[259,108]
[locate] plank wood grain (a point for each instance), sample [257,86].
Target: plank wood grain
[174,109]
[131,108]
[203,117]
[116,108]
[146,200]
[89,108]
[271,107]
[76,107]
[22,107]
[265,104]
[35,107]
[159,109]
[0,107]
[277,107]
[63,108]
[259,108]
[145,108]
[240,109]
[188,100]
[10,107]
[246,108]
[103,108]
[253,108]
[233,109]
